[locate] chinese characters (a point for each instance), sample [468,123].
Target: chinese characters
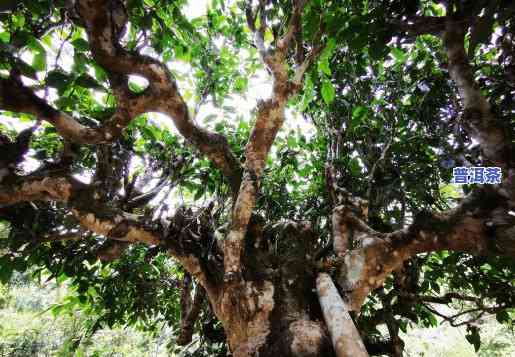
[477,175]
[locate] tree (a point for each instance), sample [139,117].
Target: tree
[279,242]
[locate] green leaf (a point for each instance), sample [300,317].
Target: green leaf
[61,278]
[329,48]
[503,316]
[399,55]
[323,66]
[291,141]
[80,44]
[6,269]
[26,70]
[198,194]
[5,37]
[39,61]
[210,118]
[354,167]
[358,115]
[240,84]
[403,325]
[328,92]
[450,191]
[100,73]
[432,320]
[323,63]
[307,97]
[229,109]
[148,133]
[86,81]
[269,36]
[473,337]
[58,310]
[92,291]
[18,21]
[57,79]
[220,127]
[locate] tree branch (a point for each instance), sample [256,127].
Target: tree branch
[270,117]
[345,208]
[344,335]
[105,23]
[16,97]
[480,225]
[480,121]
[445,299]
[108,221]
[42,189]
[90,213]
[190,310]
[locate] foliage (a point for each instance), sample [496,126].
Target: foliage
[28,328]
[377,104]
[24,327]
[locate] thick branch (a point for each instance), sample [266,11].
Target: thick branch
[42,189]
[16,97]
[100,218]
[189,315]
[480,121]
[105,23]
[270,118]
[111,250]
[480,225]
[344,335]
[91,214]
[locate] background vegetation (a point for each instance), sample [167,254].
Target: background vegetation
[29,328]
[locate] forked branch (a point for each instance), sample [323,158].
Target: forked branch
[105,23]
[105,220]
[476,226]
[270,118]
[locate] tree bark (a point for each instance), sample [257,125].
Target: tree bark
[344,335]
[267,302]
[266,320]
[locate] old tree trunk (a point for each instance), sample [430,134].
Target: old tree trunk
[279,288]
